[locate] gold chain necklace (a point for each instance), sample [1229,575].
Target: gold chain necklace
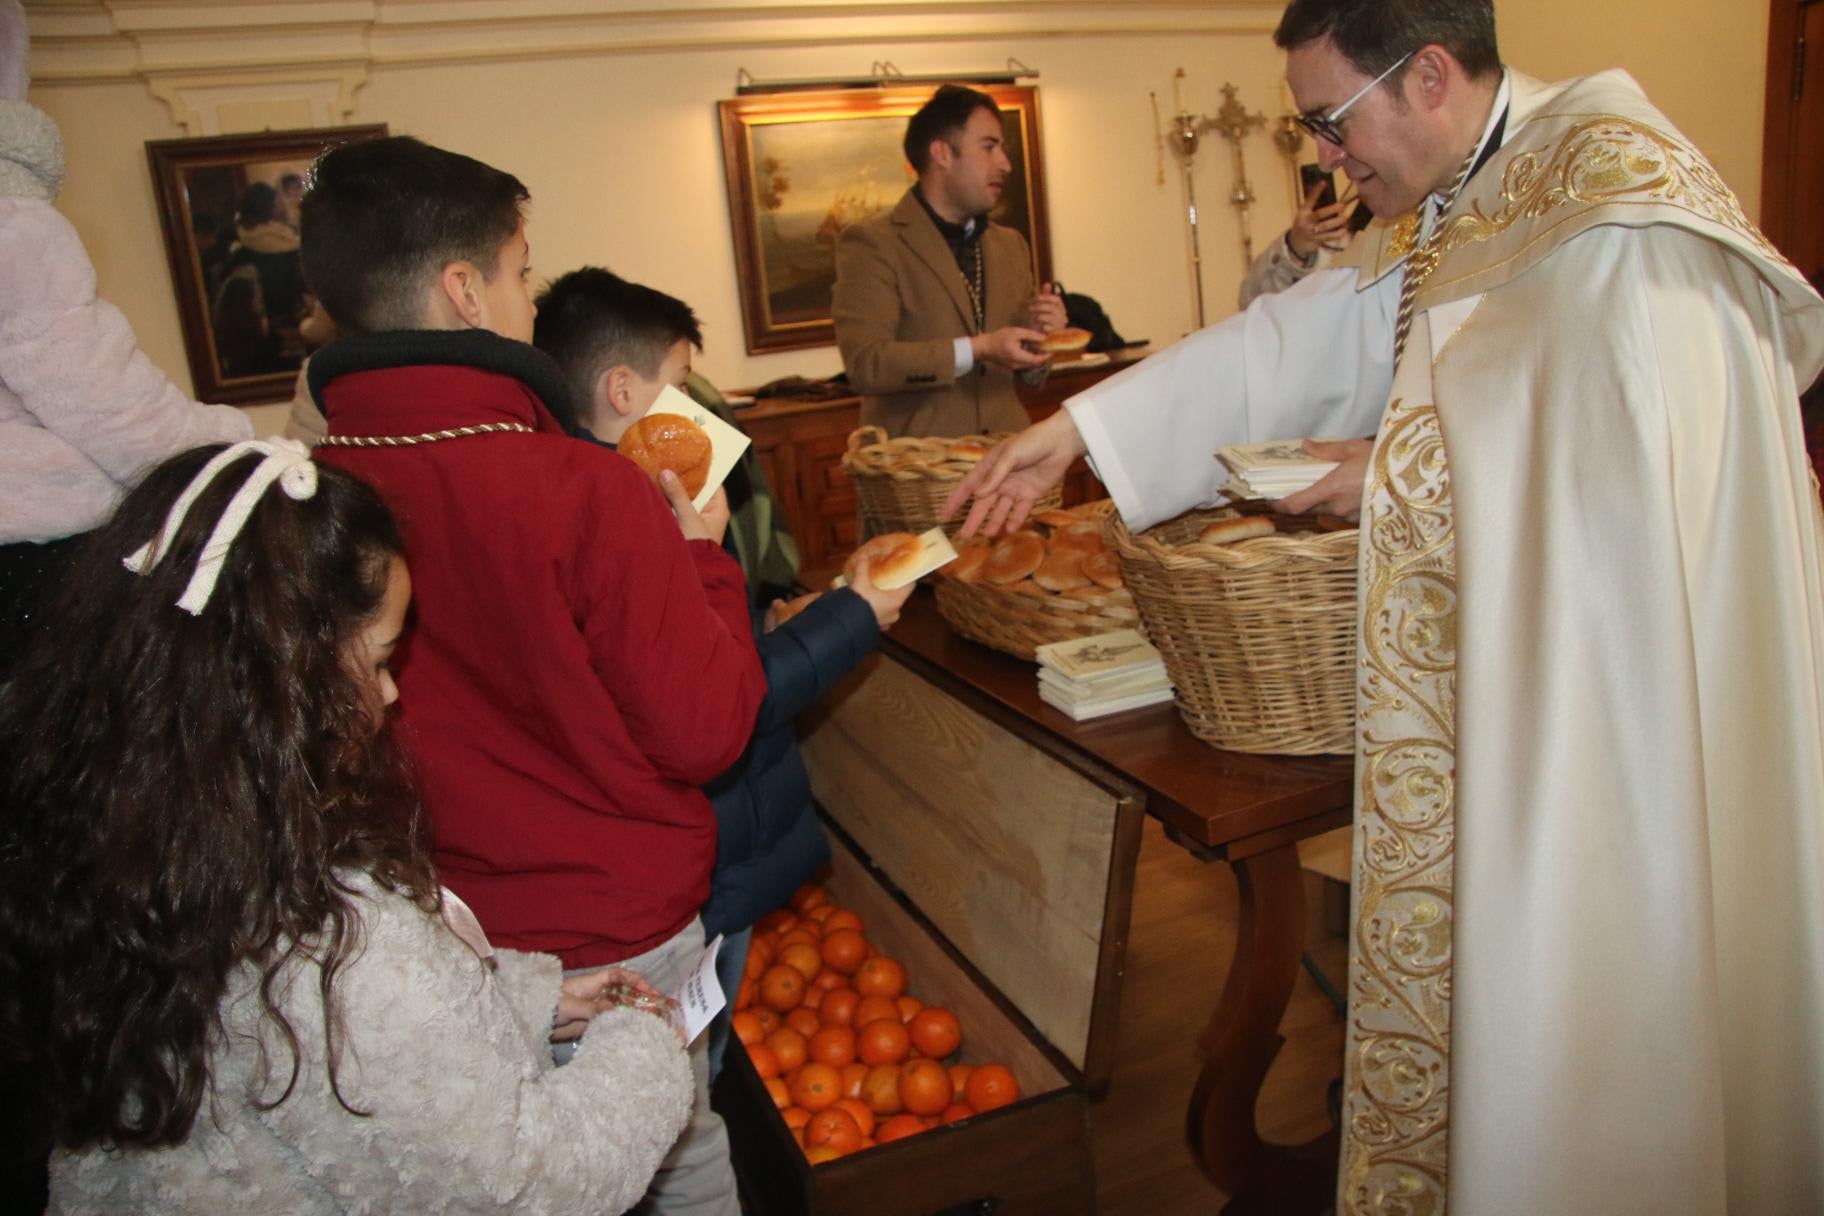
[977,289]
[396,441]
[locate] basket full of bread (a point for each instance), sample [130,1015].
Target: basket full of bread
[1051,581]
[901,484]
[1255,616]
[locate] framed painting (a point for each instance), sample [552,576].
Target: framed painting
[228,205]
[803,166]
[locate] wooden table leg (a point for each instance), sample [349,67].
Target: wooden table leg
[1239,1045]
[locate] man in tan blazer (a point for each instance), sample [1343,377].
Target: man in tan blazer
[934,304]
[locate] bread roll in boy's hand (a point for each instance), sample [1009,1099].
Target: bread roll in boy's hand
[670,441]
[886,604]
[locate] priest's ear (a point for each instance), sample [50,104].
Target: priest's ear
[1433,78]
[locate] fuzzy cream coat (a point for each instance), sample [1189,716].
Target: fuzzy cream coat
[466,1111]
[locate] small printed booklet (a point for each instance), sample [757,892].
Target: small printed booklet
[726,443]
[700,998]
[1105,674]
[1271,470]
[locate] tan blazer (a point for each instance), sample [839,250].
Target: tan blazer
[900,304]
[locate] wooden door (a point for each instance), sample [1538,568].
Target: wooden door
[1792,175]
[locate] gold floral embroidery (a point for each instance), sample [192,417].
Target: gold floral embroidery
[1396,1115]
[1602,160]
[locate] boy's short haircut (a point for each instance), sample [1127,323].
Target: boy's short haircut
[592,319]
[382,217]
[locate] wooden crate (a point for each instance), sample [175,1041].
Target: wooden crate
[1002,875]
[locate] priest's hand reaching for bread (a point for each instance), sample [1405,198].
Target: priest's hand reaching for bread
[886,604]
[1339,492]
[1015,474]
[711,523]
[1006,348]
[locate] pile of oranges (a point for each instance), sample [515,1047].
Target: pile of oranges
[849,1058]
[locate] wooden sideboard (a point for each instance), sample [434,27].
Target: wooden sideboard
[800,444]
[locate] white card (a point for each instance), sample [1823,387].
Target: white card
[725,442]
[700,997]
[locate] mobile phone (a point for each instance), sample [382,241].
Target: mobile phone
[1311,175]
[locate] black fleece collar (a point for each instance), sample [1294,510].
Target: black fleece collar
[481,349]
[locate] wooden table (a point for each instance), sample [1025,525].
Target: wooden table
[1248,811]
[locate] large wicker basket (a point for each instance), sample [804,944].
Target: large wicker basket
[1018,624]
[901,484]
[1258,636]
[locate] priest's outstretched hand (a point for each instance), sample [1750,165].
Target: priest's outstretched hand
[1015,475]
[1340,490]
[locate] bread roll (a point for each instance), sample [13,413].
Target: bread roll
[1065,341]
[669,441]
[1082,537]
[893,557]
[1027,587]
[1103,569]
[1057,517]
[1016,556]
[1228,531]
[1061,572]
[973,447]
[1091,594]
[967,567]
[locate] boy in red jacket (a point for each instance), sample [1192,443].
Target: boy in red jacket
[578,668]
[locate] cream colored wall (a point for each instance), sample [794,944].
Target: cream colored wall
[622,152]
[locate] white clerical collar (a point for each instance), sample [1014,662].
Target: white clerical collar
[1503,97]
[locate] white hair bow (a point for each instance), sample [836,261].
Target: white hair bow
[286,461]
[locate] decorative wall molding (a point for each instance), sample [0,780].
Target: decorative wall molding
[90,41]
[278,99]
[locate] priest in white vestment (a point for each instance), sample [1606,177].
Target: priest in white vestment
[1587,961]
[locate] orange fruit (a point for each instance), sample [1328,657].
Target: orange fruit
[829,980]
[817,1154]
[774,923]
[991,1087]
[874,1009]
[881,976]
[807,895]
[833,1045]
[796,1116]
[935,1032]
[804,957]
[782,987]
[781,1096]
[836,1128]
[804,933]
[813,997]
[804,1021]
[840,918]
[838,1006]
[769,1019]
[844,949]
[790,1047]
[956,1112]
[852,1077]
[880,1090]
[744,995]
[882,1042]
[747,1028]
[959,1080]
[816,1086]
[924,1087]
[819,912]
[757,964]
[898,1128]
[864,1118]
[908,1007]
[764,1061]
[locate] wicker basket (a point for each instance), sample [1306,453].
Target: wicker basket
[1018,624]
[1258,636]
[901,484]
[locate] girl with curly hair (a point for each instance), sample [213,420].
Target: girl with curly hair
[229,979]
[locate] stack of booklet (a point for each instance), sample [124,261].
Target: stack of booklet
[1271,470]
[1104,674]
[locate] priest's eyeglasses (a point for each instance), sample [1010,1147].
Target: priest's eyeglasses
[1325,126]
